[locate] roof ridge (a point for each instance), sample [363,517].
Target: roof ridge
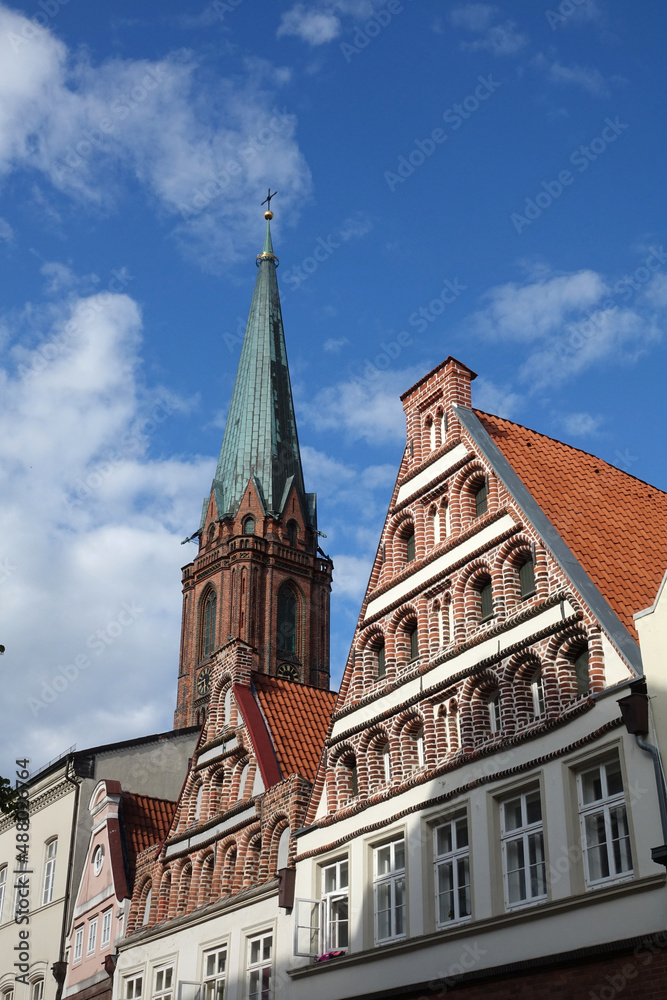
[572,447]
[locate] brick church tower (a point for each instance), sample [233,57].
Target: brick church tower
[259,576]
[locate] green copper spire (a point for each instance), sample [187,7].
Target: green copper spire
[260,437]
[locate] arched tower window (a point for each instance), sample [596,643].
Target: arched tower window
[249,526]
[292,532]
[208,616]
[287,619]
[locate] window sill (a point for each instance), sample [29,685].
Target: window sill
[462,930]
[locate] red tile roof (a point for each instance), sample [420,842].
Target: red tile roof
[298,718]
[614,524]
[146,821]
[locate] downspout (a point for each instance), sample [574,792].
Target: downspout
[659,780]
[634,710]
[59,970]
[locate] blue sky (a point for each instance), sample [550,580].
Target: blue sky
[485,179]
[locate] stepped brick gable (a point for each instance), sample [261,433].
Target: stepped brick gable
[246,790]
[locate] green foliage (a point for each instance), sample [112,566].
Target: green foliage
[8,796]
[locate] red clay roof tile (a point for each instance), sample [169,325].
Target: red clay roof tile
[615,524]
[146,821]
[298,718]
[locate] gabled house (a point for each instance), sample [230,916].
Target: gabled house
[123,825]
[481,818]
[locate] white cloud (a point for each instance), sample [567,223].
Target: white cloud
[498,399]
[93,131]
[365,409]
[324,21]
[313,26]
[581,424]
[90,524]
[334,345]
[585,77]
[532,311]
[501,38]
[355,226]
[571,322]
[351,576]
[6,232]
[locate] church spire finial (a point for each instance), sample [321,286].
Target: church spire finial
[268,215]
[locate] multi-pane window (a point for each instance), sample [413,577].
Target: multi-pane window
[133,987]
[524,863]
[389,890]
[49,871]
[537,694]
[78,944]
[335,905]
[527,578]
[481,499]
[493,708]
[163,983]
[452,870]
[215,974]
[37,991]
[106,928]
[604,823]
[92,936]
[260,959]
[98,859]
[3,889]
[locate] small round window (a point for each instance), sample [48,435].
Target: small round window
[98,859]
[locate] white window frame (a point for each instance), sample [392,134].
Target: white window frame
[77,954]
[495,715]
[37,989]
[524,835]
[130,991]
[3,888]
[260,966]
[604,807]
[98,859]
[385,753]
[92,937]
[165,992]
[453,858]
[537,694]
[107,918]
[330,900]
[49,870]
[396,882]
[212,981]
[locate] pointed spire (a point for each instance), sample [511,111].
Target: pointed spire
[260,437]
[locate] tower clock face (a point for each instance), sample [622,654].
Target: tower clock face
[204,681]
[288,672]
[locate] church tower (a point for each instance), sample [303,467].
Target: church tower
[259,575]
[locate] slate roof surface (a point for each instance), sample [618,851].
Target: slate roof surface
[615,524]
[146,821]
[298,718]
